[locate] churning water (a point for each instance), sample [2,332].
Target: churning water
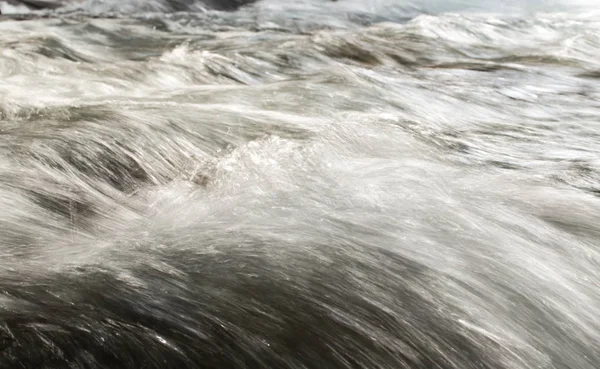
[300,184]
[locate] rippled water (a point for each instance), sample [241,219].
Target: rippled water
[308,184]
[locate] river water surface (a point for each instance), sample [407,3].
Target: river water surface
[306,184]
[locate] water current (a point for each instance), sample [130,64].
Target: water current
[300,184]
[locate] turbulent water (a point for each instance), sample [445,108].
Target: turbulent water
[306,184]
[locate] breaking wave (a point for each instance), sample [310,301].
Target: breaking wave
[310,184]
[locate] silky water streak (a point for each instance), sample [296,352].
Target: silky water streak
[309,184]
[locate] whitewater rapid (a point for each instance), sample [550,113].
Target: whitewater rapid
[349,184]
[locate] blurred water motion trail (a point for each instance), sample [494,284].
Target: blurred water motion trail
[308,184]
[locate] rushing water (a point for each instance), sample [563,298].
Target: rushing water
[300,184]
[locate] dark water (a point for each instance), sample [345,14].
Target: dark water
[309,184]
